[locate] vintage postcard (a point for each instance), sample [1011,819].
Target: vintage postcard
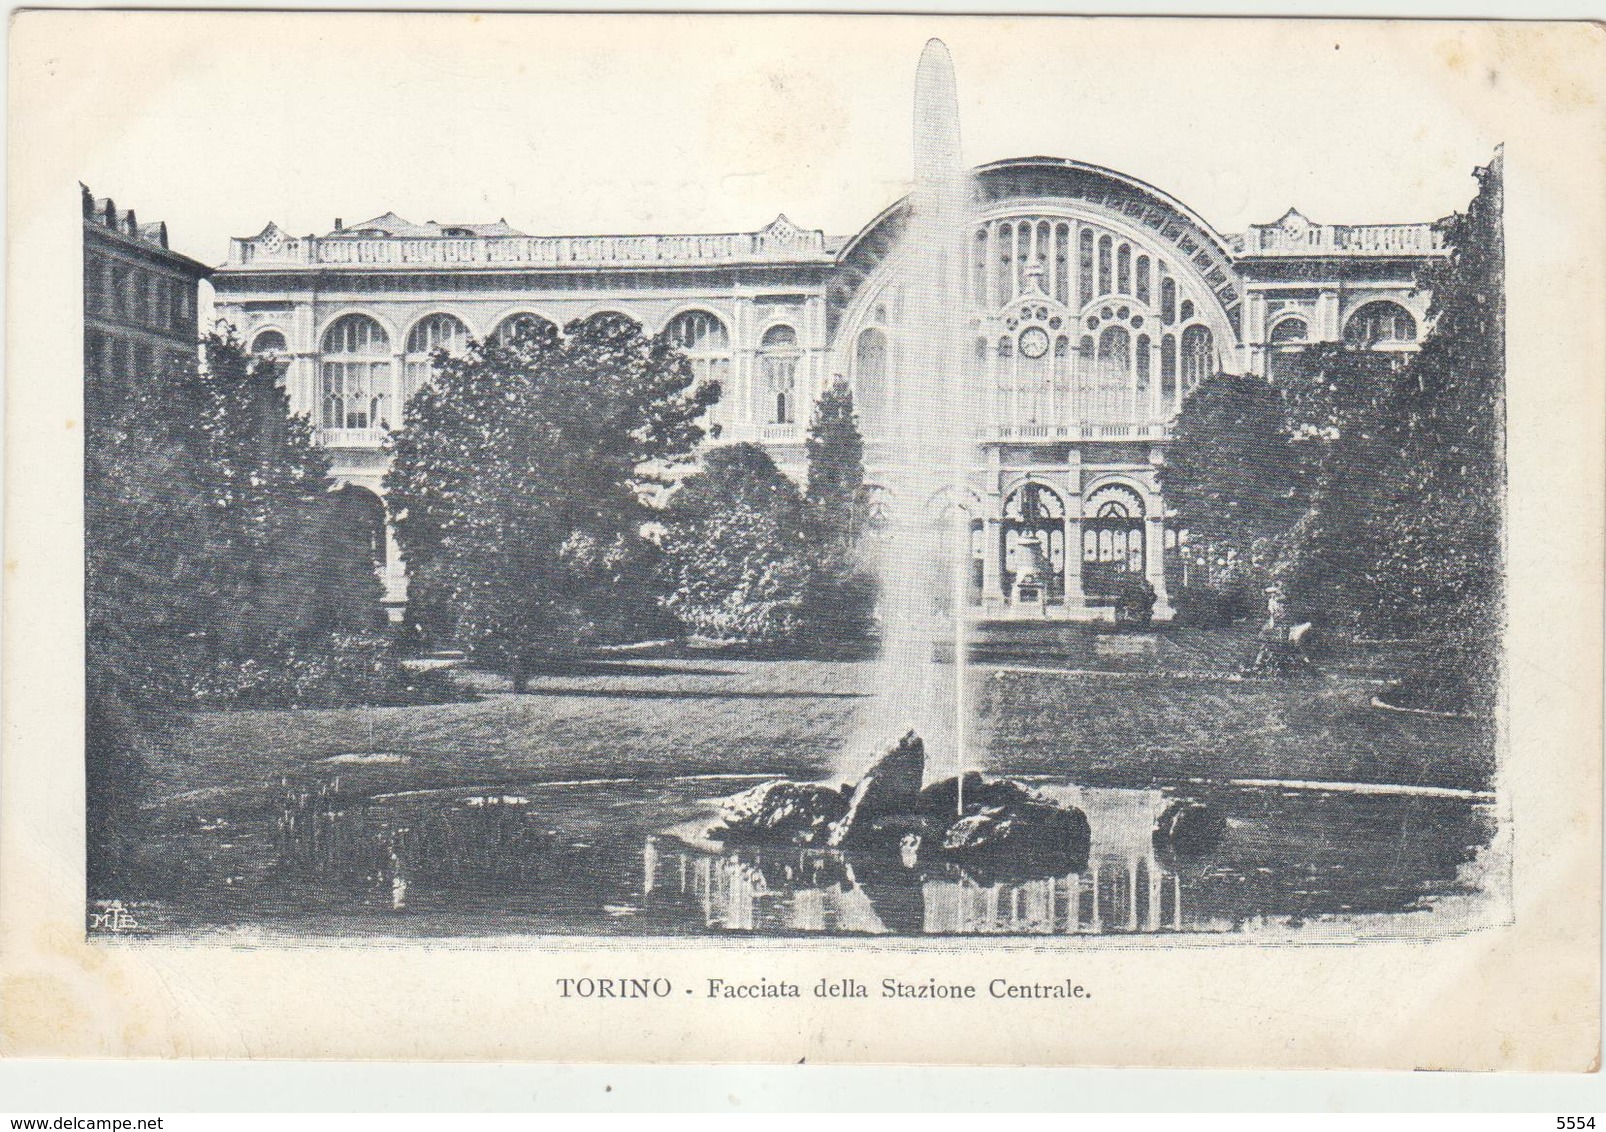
[769,538]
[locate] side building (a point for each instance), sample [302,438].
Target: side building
[140,306]
[1098,303]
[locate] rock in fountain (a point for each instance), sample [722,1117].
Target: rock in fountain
[1188,829]
[1003,828]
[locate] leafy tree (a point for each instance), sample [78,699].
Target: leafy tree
[1233,471]
[147,549]
[835,453]
[289,559]
[1439,563]
[518,486]
[735,548]
[841,590]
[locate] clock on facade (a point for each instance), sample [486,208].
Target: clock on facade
[1034,342]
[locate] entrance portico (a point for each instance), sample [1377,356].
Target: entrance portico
[1059,543]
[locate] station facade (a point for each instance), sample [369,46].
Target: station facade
[1098,303]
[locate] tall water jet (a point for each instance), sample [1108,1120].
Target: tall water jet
[936,403]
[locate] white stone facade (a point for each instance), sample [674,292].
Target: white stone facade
[1098,304]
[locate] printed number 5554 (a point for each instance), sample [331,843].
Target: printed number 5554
[1567,1122]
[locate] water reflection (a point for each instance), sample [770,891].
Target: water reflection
[592,859]
[1378,854]
[488,841]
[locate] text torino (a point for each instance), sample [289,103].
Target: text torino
[649,988]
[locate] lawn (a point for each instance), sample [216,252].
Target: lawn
[1182,716]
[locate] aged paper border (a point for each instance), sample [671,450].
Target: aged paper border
[1524,995]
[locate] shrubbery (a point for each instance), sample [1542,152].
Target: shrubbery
[1209,607]
[340,669]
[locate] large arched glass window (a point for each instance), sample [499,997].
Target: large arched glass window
[1198,357]
[870,366]
[435,332]
[1380,324]
[777,365]
[356,373]
[523,327]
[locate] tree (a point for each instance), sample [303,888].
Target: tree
[289,559]
[841,590]
[1233,470]
[1439,560]
[147,587]
[519,481]
[735,548]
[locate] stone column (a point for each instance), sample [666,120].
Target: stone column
[1154,563]
[1254,316]
[1075,599]
[395,575]
[1325,327]
[742,376]
[992,574]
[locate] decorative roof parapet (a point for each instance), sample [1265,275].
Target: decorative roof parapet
[781,241]
[1294,235]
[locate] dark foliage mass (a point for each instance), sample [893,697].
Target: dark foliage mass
[735,549]
[1367,492]
[522,484]
[218,568]
[750,557]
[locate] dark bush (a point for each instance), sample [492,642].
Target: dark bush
[332,671]
[1206,607]
[1134,600]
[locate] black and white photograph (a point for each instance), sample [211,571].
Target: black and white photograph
[803,485]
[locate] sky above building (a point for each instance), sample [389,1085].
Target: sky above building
[218,123]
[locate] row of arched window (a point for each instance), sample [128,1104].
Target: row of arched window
[1379,325]
[356,361]
[1120,374]
[1073,263]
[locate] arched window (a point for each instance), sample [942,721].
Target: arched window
[1287,339]
[361,519]
[870,377]
[1123,269]
[777,364]
[1198,357]
[702,337]
[1105,250]
[269,342]
[1168,301]
[1168,369]
[1381,323]
[523,327]
[1144,362]
[611,323]
[1006,262]
[1289,330]
[1142,287]
[1062,262]
[272,344]
[434,332]
[1109,396]
[356,373]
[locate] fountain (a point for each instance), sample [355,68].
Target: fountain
[921,798]
[935,404]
